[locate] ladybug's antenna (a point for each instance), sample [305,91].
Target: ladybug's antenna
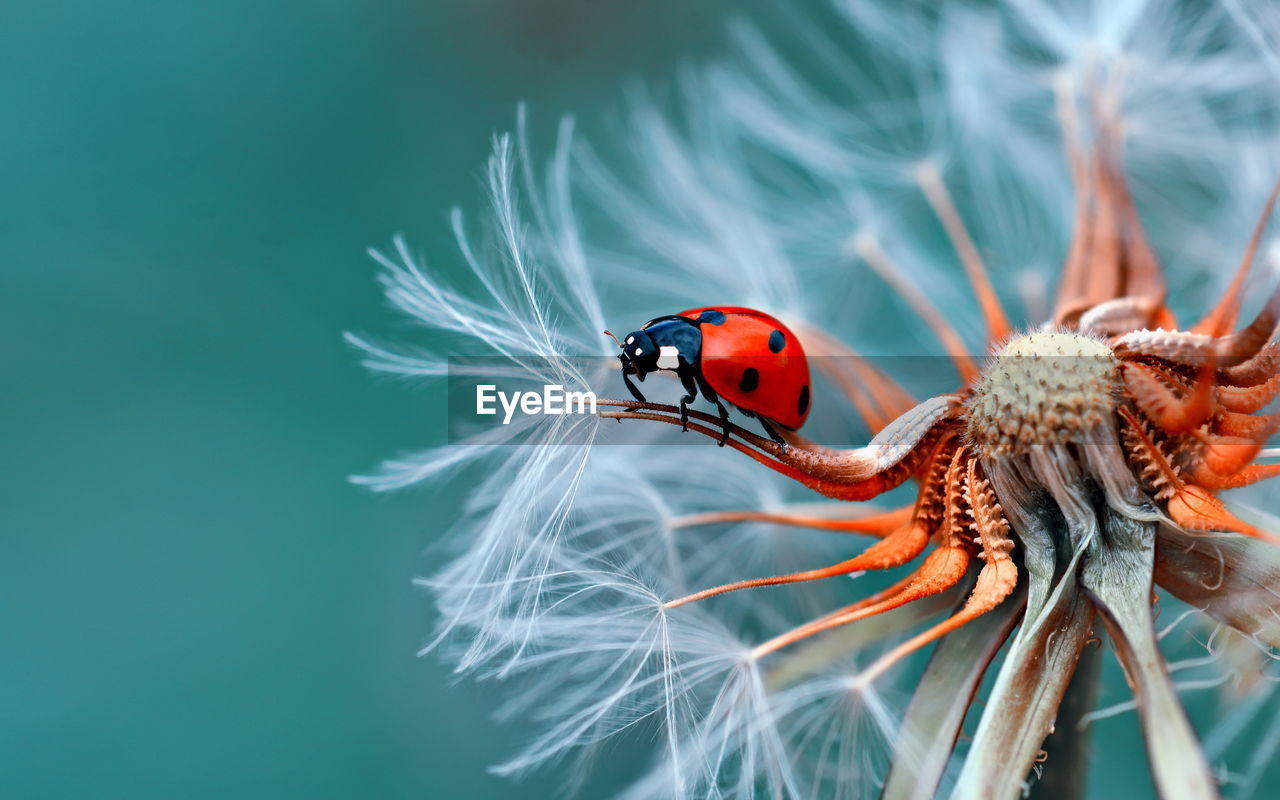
[614,338]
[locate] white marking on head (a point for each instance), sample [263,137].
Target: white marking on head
[638,351]
[668,357]
[630,339]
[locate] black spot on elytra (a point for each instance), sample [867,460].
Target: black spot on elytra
[711,317]
[750,379]
[803,406]
[777,341]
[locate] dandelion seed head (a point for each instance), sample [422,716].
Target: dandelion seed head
[1043,389]
[798,191]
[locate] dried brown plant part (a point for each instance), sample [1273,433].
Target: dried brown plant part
[869,250]
[1254,473]
[1069,746]
[801,465]
[902,441]
[1240,347]
[1226,455]
[1248,399]
[931,500]
[933,720]
[996,580]
[859,474]
[1259,368]
[942,569]
[814,655]
[1222,317]
[1109,256]
[880,525]
[1117,578]
[1258,428]
[1121,315]
[1197,349]
[1233,579]
[1178,346]
[1148,458]
[1195,508]
[935,190]
[635,406]
[894,550]
[1037,670]
[1171,411]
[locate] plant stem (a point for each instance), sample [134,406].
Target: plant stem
[1065,774]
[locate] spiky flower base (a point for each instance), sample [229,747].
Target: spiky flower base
[1043,389]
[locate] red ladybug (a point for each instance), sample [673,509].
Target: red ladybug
[742,355]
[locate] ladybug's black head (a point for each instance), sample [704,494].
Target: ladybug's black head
[639,354]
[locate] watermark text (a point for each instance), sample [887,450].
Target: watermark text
[553,400]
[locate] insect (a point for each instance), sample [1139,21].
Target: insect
[726,353]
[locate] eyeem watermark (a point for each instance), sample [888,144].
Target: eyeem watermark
[558,399]
[553,400]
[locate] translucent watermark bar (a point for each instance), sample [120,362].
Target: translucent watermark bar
[559,400]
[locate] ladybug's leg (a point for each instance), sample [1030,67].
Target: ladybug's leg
[690,394]
[711,395]
[769,429]
[724,421]
[635,392]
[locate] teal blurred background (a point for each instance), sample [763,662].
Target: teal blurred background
[194,601]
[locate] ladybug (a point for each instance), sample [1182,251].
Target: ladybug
[740,355]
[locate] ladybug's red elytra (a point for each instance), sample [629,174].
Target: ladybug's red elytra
[741,355]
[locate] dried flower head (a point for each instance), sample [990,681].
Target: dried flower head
[1042,499]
